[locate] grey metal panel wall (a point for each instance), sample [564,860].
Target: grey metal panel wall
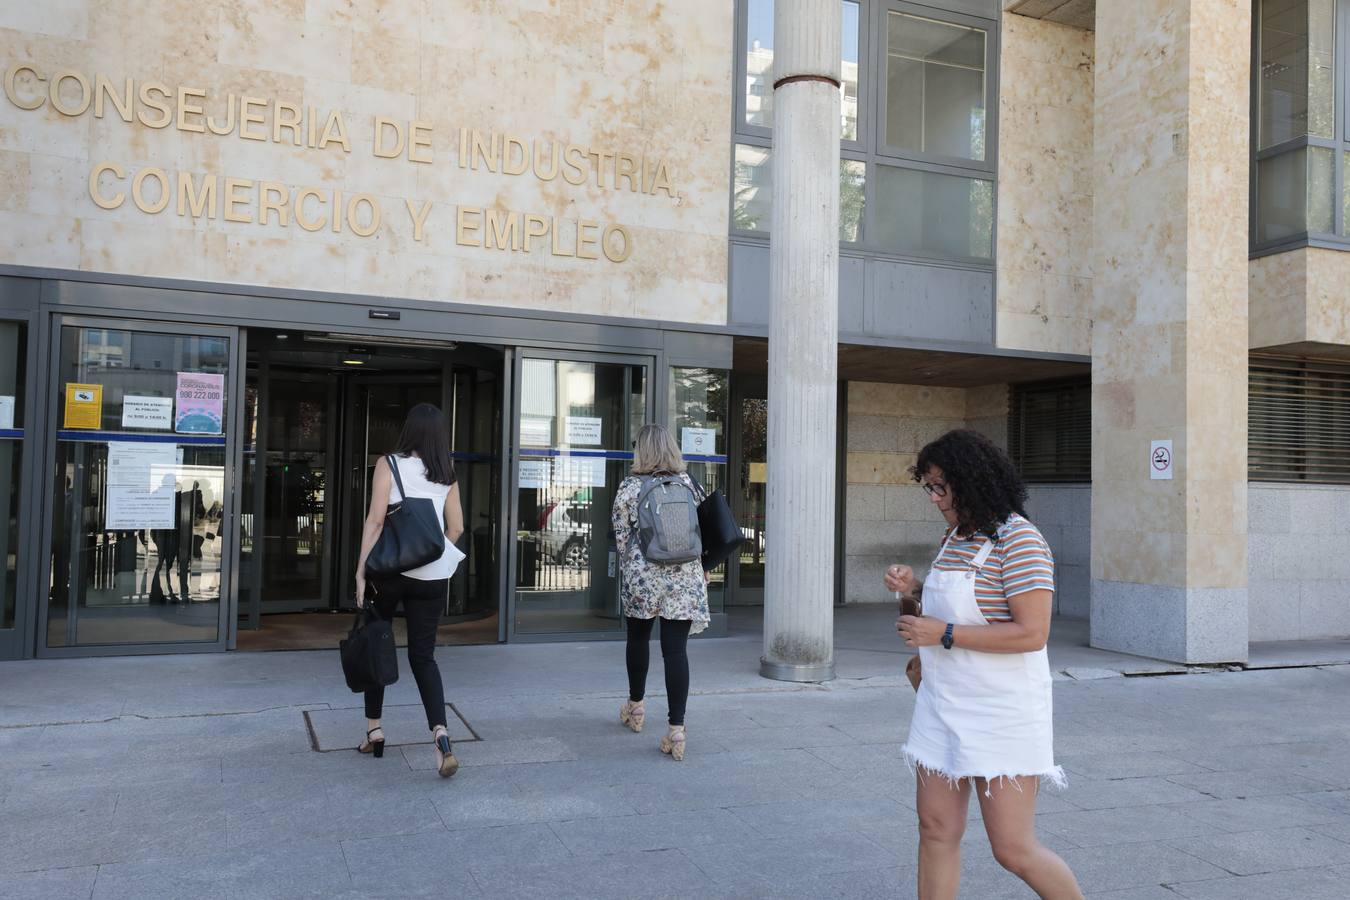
[880,298]
[905,300]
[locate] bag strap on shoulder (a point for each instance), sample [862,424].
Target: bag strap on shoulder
[398,479]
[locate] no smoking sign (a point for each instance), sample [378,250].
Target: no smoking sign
[1160,461]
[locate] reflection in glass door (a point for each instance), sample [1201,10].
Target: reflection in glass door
[749,494]
[577,422]
[140,492]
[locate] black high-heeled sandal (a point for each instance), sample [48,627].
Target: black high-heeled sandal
[446,764]
[373,746]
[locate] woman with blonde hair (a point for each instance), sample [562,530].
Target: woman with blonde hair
[675,592]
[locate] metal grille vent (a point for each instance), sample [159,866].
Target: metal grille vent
[1298,420]
[1050,430]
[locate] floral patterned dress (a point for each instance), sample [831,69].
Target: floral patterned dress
[655,589]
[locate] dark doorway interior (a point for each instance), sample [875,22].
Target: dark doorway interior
[320,410]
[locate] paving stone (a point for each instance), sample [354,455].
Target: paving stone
[343,729]
[658,831]
[1128,824]
[1140,865]
[618,876]
[438,863]
[823,816]
[1254,852]
[1306,884]
[295,870]
[459,810]
[1087,793]
[789,857]
[1234,785]
[1259,813]
[1127,765]
[868,884]
[493,753]
[782,738]
[1152,892]
[49,884]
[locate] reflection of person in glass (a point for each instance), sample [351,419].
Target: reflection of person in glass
[425,470]
[982,717]
[166,550]
[677,593]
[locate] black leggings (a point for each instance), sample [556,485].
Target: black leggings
[674,638]
[422,601]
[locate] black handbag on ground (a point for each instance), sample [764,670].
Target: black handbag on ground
[368,656]
[412,534]
[718,528]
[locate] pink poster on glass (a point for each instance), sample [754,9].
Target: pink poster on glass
[200,403]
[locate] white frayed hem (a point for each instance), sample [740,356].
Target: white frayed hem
[1054,777]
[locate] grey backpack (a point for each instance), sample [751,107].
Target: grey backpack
[667,520]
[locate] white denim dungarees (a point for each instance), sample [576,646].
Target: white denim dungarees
[977,714]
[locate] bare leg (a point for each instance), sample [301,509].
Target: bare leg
[942,822]
[1010,821]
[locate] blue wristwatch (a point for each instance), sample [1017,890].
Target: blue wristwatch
[947,637]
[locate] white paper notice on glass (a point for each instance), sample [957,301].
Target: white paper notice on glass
[583,430]
[147,412]
[536,431]
[1160,461]
[698,441]
[142,478]
[581,471]
[534,473]
[6,412]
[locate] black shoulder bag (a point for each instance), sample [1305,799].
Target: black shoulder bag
[368,657]
[412,534]
[717,527]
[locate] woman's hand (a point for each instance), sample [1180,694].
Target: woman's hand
[917,631]
[360,588]
[900,578]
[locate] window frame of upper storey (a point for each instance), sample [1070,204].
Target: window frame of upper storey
[868,148]
[1338,144]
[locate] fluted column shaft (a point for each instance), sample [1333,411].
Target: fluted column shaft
[803,338]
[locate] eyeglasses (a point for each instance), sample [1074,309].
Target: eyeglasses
[936,489]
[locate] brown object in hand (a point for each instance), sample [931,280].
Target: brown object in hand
[913,671]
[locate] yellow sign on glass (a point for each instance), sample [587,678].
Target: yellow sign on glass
[84,406]
[759,472]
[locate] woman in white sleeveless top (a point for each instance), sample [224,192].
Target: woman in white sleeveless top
[425,469]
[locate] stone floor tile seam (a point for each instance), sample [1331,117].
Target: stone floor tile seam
[1295,868]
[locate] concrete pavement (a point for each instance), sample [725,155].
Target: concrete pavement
[227,776]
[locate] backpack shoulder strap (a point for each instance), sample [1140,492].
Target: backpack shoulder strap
[398,479]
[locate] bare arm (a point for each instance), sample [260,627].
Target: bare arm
[454,514]
[374,525]
[1026,633]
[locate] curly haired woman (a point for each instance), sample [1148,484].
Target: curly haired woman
[982,717]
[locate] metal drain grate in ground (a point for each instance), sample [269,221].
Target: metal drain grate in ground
[344,728]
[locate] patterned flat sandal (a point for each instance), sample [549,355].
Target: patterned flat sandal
[673,742]
[633,714]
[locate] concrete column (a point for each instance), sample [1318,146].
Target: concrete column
[803,337]
[1169,343]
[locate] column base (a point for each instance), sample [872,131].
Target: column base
[811,674]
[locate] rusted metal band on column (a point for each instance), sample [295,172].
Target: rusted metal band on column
[833,82]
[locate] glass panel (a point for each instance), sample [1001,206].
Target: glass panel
[1297,83]
[754,414]
[13,365]
[1345,193]
[759,63]
[139,487]
[935,87]
[933,214]
[295,528]
[852,194]
[759,67]
[753,193]
[1295,193]
[699,399]
[577,424]
[848,87]
[752,189]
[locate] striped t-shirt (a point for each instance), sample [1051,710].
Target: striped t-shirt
[1019,562]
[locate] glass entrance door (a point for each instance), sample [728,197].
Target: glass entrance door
[140,493]
[577,418]
[749,488]
[13,402]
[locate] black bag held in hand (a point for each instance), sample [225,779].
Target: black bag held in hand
[412,534]
[718,528]
[368,658]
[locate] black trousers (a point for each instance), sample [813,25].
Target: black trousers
[421,601]
[674,640]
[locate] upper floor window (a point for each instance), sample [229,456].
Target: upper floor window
[916,136]
[1299,124]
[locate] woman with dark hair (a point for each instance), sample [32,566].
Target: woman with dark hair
[424,470]
[982,717]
